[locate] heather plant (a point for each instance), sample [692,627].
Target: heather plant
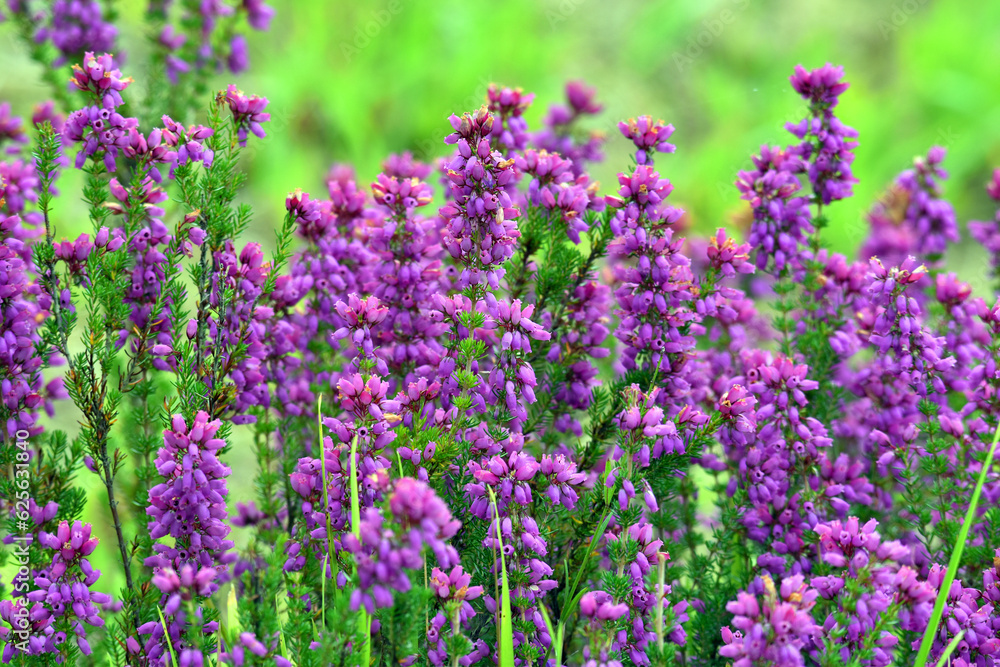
[495,416]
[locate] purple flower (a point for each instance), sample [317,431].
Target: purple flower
[454,585]
[248,112]
[259,15]
[18,186]
[648,137]
[46,112]
[510,132]
[988,233]
[99,76]
[238,59]
[773,630]
[555,188]
[600,605]
[383,557]
[102,133]
[11,129]
[22,387]
[561,134]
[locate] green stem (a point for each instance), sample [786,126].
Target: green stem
[366,645]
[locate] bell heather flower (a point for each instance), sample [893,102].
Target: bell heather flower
[215,44]
[307,481]
[897,325]
[151,245]
[446,383]
[857,552]
[236,328]
[383,556]
[555,188]
[642,423]
[20,369]
[987,234]
[46,113]
[512,380]
[773,629]
[649,137]
[655,279]
[408,274]
[190,504]
[62,599]
[931,217]
[248,112]
[454,585]
[402,165]
[781,218]
[188,142]
[75,27]
[99,76]
[101,131]
[180,590]
[480,220]
[11,129]
[827,144]
[561,134]
[18,186]
[510,131]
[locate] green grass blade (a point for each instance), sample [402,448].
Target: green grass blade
[326,497]
[556,634]
[166,635]
[956,558]
[945,658]
[282,615]
[364,622]
[569,600]
[505,633]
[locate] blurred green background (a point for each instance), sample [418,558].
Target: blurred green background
[353,81]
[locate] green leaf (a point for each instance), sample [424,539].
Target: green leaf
[556,634]
[166,635]
[505,632]
[945,658]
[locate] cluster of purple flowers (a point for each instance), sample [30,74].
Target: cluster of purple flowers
[480,222]
[190,504]
[203,37]
[75,27]
[62,597]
